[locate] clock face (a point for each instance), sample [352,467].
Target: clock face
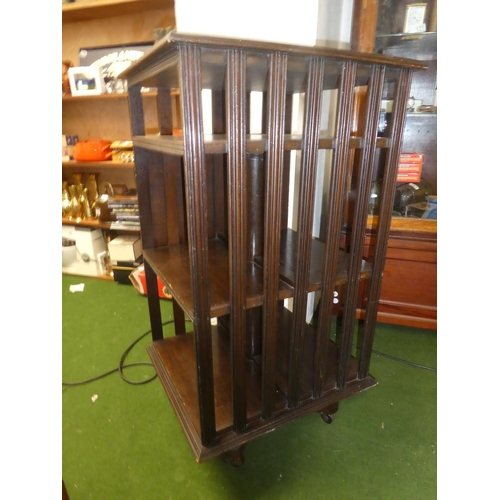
[415,17]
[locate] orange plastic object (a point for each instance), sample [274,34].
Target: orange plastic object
[94,149]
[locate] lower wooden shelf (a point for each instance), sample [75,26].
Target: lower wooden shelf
[174,359]
[171,264]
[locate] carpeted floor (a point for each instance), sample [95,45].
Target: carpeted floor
[123,441]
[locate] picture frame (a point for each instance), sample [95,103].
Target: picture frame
[86,80]
[113,59]
[414,21]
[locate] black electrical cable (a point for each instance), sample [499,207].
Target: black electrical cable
[400,360]
[121,366]
[406,362]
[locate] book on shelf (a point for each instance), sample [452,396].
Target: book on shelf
[410,177]
[125,225]
[127,217]
[126,210]
[411,158]
[407,168]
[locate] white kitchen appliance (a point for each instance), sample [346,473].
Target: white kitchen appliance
[88,256]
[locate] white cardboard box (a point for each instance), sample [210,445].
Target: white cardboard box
[125,248]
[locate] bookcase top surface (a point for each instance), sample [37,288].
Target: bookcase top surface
[159,66]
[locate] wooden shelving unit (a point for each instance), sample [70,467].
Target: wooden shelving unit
[105,23]
[214,210]
[101,165]
[120,96]
[85,10]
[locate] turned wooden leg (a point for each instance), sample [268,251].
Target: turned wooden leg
[235,457]
[327,412]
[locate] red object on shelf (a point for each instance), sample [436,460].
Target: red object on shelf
[411,158]
[138,279]
[93,149]
[410,177]
[407,168]
[410,167]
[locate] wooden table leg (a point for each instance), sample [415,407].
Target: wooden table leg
[64,492]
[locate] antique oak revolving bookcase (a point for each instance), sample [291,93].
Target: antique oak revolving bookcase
[237,252]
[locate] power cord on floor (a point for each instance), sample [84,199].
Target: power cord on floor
[121,366]
[406,362]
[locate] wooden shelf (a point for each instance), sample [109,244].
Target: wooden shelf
[84,10]
[174,359]
[171,264]
[89,165]
[256,143]
[79,98]
[106,226]
[85,223]
[288,261]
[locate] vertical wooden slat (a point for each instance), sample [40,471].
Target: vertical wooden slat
[160,211]
[359,222]
[136,110]
[173,199]
[274,175]
[255,189]
[304,229]
[196,208]
[179,318]
[173,192]
[164,111]
[147,236]
[145,208]
[236,136]
[337,194]
[396,134]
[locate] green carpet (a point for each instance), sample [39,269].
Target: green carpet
[128,444]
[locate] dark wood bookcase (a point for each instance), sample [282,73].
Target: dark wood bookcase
[214,208]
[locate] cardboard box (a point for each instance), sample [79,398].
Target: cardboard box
[125,248]
[138,279]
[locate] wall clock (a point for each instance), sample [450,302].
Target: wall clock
[415,18]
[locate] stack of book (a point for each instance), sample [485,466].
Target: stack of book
[125,212]
[410,167]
